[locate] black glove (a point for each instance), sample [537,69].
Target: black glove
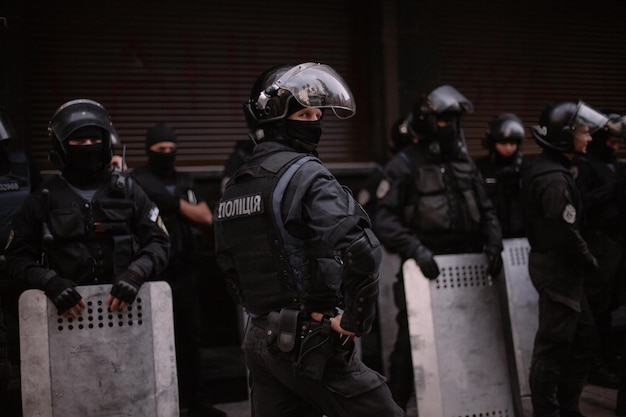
[426,262]
[494,263]
[126,286]
[62,293]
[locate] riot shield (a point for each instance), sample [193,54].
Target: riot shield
[523,309]
[458,340]
[103,363]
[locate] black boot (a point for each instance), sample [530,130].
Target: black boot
[620,406]
[543,386]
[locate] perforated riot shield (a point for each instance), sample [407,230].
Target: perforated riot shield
[523,309]
[107,364]
[458,343]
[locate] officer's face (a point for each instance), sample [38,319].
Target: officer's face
[163,147]
[613,143]
[506,149]
[308,114]
[83,141]
[581,138]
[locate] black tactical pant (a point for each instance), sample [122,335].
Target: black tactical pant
[347,387]
[564,346]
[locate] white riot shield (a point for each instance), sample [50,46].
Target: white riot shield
[458,342]
[523,306]
[101,364]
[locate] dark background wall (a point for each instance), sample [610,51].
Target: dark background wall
[192,63]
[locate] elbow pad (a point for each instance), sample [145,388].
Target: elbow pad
[362,309]
[363,256]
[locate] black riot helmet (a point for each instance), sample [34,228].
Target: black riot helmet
[443,103]
[616,126]
[305,85]
[558,123]
[504,128]
[75,115]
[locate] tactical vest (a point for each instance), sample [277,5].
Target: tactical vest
[14,188]
[445,201]
[92,242]
[275,269]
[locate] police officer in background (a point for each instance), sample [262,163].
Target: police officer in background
[18,178]
[501,170]
[300,256]
[597,178]
[433,201]
[400,137]
[559,259]
[89,225]
[184,217]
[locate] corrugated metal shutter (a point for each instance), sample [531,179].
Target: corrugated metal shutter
[513,57]
[188,63]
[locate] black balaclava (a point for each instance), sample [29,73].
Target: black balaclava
[161,163]
[302,135]
[86,164]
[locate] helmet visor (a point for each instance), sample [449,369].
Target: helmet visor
[319,86]
[447,99]
[587,116]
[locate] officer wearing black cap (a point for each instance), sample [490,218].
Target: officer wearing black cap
[559,259]
[432,201]
[300,256]
[501,170]
[87,225]
[184,217]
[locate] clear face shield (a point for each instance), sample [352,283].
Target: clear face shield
[447,99]
[314,85]
[586,116]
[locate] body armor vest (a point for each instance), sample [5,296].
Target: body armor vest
[92,242]
[445,209]
[14,188]
[275,269]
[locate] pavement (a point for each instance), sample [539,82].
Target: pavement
[595,401]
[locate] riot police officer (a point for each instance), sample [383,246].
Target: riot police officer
[559,259]
[400,137]
[501,170]
[89,225]
[184,217]
[18,177]
[300,256]
[597,179]
[433,201]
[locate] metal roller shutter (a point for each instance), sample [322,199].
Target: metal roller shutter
[513,57]
[190,64]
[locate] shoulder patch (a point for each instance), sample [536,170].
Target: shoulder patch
[248,205]
[569,214]
[383,189]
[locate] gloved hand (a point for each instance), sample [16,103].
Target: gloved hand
[494,263]
[62,293]
[126,286]
[426,262]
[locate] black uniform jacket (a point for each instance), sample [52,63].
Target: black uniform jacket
[92,241]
